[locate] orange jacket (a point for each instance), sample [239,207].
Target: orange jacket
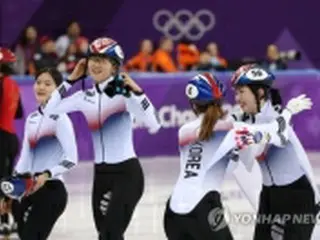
[140,62]
[9,100]
[187,56]
[163,62]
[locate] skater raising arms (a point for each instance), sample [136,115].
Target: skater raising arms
[109,107]
[289,189]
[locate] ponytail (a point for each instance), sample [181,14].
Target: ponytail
[211,115]
[272,94]
[275,97]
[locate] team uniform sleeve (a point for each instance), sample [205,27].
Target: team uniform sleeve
[244,167]
[228,149]
[225,149]
[57,104]
[275,132]
[187,134]
[143,110]
[24,163]
[57,95]
[278,132]
[66,136]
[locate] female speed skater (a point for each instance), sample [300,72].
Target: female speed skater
[207,146]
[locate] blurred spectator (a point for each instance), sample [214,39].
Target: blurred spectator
[25,50]
[205,63]
[188,55]
[46,57]
[69,61]
[217,61]
[162,60]
[142,62]
[82,45]
[72,35]
[273,61]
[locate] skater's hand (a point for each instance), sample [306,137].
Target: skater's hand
[5,206]
[295,106]
[41,180]
[299,104]
[128,81]
[79,70]
[245,137]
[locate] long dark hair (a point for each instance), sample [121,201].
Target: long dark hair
[23,40]
[275,96]
[54,73]
[212,113]
[272,94]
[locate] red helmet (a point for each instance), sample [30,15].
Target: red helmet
[6,56]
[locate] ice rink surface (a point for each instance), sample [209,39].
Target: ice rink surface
[160,176]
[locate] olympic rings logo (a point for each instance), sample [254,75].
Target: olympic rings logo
[184,23]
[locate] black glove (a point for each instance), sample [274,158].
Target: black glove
[117,87]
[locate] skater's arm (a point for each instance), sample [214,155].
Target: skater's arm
[57,103]
[57,95]
[66,136]
[143,110]
[275,133]
[66,105]
[140,106]
[232,149]
[278,130]
[24,163]
[189,133]
[225,149]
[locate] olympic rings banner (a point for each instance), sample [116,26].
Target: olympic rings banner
[167,91]
[242,28]
[184,21]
